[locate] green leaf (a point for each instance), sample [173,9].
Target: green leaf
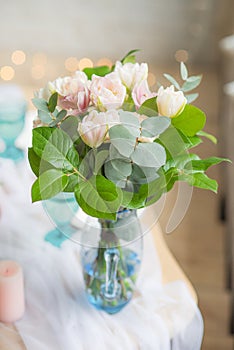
[191,97]
[135,200]
[181,161]
[99,197]
[142,175]
[129,54]
[45,117]
[101,71]
[190,121]
[41,104]
[53,102]
[122,139]
[204,164]
[149,108]
[56,147]
[172,81]
[154,126]
[149,155]
[210,137]
[48,185]
[200,180]
[190,141]
[70,126]
[62,114]
[118,170]
[73,181]
[183,71]
[131,122]
[37,164]
[191,83]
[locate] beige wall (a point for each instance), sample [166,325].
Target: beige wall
[110,28]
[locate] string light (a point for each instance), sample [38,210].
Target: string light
[18,57]
[181,55]
[71,64]
[85,63]
[7,73]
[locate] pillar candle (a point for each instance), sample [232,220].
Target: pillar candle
[12,303]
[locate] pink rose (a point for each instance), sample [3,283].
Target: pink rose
[107,92]
[141,93]
[73,92]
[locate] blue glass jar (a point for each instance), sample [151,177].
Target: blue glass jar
[111,267]
[12,119]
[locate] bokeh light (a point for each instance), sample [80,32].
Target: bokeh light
[18,57]
[71,64]
[85,63]
[7,73]
[181,55]
[104,62]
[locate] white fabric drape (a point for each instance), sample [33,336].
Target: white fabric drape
[58,316]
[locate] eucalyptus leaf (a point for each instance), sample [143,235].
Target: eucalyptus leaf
[62,114]
[191,97]
[45,117]
[131,122]
[183,71]
[172,81]
[154,126]
[122,139]
[191,83]
[53,102]
[142,175]
[149,155]
[48,184]
[40,104]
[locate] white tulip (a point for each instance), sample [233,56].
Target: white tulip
[170,102]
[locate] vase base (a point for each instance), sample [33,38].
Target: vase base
[108,307]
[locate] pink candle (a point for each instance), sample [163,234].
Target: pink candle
[11,291]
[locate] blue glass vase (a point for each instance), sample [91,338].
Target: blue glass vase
[111,267]
[61,210]
[12,118]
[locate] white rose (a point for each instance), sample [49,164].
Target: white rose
[131,73]
[170,102]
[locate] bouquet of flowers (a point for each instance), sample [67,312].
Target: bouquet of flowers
[105,136]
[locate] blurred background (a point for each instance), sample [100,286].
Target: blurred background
[41,40]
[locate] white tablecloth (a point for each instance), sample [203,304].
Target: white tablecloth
[58,316]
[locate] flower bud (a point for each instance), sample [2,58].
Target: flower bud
[170,102]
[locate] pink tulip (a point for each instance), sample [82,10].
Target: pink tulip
[141,93]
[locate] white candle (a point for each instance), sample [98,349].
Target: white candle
[12,303]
